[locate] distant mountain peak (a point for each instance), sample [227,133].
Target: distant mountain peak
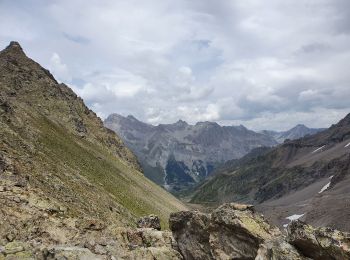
[131,117]
[207,123]
[181,122]
[298,131]
[299,126]
[118,116]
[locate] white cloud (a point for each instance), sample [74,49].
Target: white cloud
[253,62]
[308,95]
[59,69]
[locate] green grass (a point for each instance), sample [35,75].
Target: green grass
[127,186]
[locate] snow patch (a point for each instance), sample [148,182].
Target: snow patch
[292,218]
[320,148]
[325,187]
[295,217]
[347,145]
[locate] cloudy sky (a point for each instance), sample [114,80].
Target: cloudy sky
[265,64]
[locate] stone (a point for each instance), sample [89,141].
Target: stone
[242,207]
[10,237]
[73,253]
[21,183]
[278,250]
[190,230]
[319,243]
[151,221]
[90,224]
[13,248]
[16,199]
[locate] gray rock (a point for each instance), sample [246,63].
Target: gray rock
[190,230]
[151,221]
[278,250]
[319,243]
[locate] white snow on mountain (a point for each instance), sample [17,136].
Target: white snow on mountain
[318,149]
[295,217]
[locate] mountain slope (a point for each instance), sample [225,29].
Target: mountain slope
[178,155]
[289,179]
[296,132]
[60,153]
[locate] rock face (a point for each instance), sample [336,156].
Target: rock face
[321,243]
[233,231]
[178,155]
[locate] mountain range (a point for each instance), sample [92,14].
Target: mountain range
[179,155]
[307,178]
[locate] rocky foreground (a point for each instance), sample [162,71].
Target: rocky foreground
[235,231]
[232,231]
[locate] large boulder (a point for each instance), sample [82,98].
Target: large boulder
[237,232]
[319,243]
[232,231]
[190,230]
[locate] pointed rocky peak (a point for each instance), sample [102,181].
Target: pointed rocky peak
[300,127]
[15,45]
[14,48]
[113,116]
[132,118]
[13,57]
[116,122]
[181,123]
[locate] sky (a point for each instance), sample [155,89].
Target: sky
[265,64]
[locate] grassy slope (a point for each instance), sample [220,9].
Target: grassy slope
[129,187]
[92,175]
